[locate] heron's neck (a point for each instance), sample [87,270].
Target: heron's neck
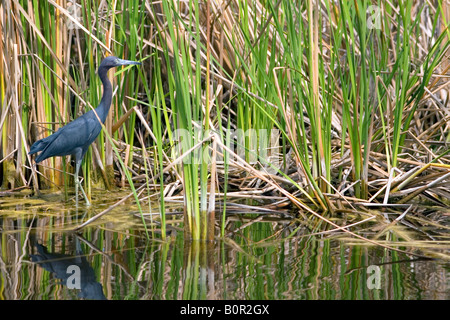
[105,103]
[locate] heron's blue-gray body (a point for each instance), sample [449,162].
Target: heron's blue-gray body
[76,137]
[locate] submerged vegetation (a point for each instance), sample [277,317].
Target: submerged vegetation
[333,114]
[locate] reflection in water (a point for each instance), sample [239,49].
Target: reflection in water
[116,261]
[129,267]
[62,267]
[199,271]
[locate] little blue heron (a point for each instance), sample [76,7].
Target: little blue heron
[76,136]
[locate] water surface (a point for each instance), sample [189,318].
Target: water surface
[116,260]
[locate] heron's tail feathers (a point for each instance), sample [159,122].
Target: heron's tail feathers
[36,147]
[39,145]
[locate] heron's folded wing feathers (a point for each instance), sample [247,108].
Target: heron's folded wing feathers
[77,134]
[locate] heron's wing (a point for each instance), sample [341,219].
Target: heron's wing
[74,137]
[83,130]
[40,145]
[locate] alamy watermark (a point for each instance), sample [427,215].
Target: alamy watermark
[252,145]
[374,17]
[374,279]
[74,10]
[74,278]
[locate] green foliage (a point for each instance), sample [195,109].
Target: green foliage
[337,83]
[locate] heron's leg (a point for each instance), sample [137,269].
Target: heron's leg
[84,194]
[78,250]
[78,183]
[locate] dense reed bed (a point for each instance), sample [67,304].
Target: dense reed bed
[329,107]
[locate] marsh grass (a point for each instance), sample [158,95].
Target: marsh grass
[357,97]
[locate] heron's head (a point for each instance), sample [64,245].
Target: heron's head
[111,62]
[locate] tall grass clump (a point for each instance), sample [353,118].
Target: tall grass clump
[312,104]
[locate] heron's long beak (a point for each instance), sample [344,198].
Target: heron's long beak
[126,62]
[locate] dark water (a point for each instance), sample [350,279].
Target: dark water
[41,259]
